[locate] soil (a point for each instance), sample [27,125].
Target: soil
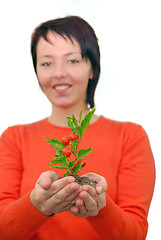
[85,181]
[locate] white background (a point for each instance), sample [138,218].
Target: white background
[129,35]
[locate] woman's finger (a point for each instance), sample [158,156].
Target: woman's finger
[91,190]
[64,193]
[101,186]
[61,183]
[46,178]
[89,202]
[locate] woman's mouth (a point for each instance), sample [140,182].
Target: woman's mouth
[61,87]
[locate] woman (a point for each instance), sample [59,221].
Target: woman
[34,203]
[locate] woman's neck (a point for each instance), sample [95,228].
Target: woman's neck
[58,114]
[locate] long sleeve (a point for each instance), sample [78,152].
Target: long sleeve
[127,218]
[18,218]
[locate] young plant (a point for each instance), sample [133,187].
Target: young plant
[69,146]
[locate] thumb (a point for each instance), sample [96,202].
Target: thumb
[46,179]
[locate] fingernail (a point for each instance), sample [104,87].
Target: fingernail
[79,190]
[85,188]
[70,179]
[73,187]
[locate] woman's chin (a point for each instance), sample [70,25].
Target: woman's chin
[63,104]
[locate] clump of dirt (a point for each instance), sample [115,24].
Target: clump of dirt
[85,181]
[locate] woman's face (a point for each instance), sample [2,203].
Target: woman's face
[62,72]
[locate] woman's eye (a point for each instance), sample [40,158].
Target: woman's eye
[46,64]
[73,61]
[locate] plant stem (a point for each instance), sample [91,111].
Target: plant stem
[72,173]
[78,141]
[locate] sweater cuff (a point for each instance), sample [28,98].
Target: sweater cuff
[31,212]
[111,216]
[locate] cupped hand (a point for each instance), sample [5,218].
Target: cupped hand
[91,200]
[53,195]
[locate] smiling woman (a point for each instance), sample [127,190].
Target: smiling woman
[62,72]
[39,203]
[71,29]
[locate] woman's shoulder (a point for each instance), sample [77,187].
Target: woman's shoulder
[105,121]
[127,128]
[18,129]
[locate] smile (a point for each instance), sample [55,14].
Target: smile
[61,87]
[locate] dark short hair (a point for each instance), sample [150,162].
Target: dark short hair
[78,28]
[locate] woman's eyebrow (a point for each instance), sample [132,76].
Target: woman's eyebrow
[45,56]
[72,53]
[66,54]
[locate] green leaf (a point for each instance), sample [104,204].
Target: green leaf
[75,122]
[66,160]
[55,144]
[85,122]
[59,166]
[68,117]
[77,167]
[71,164]
[83,153]
[55,162]
[70,124]
[67,173]
[80,116]
[73,146]
[59,154]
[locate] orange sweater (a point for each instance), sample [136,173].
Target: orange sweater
[121,153]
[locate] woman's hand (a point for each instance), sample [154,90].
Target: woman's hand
[53,195]
[91,200]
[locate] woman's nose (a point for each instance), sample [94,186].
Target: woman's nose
[59,71]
